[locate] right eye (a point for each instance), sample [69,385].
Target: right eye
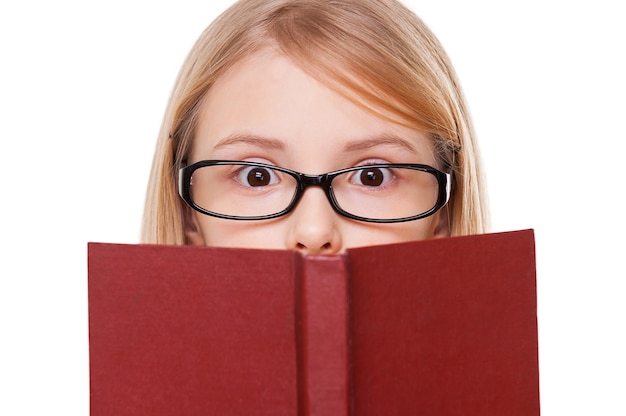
[256,176]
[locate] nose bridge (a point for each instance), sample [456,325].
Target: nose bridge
[314,222]
[314,180]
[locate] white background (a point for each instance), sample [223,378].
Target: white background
[83,86]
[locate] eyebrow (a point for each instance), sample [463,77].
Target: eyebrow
[383,140]
[352,146]
[249,139]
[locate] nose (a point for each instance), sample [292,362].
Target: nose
[314,225]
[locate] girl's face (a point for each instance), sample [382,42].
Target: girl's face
[267,110]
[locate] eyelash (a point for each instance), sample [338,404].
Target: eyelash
[372,161]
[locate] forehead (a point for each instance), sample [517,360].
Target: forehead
[268,96]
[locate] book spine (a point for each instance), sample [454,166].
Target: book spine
[323,337]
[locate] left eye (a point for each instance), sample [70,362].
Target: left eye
[257,176]
[372,176]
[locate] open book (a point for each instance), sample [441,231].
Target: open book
[440,327]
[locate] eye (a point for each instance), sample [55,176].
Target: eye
[372,176]
[257,176]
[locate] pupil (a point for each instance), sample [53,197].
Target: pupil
[371,177]
[258,177]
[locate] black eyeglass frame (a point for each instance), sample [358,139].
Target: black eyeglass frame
[444,181]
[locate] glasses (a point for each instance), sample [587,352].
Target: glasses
[378,193]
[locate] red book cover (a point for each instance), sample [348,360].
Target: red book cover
[439,327]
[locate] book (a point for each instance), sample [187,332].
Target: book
[439,327]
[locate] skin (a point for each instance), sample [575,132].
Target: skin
[268,110]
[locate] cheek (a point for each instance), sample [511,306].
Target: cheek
[359,235]
[242,234]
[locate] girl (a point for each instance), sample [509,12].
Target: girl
[315,125]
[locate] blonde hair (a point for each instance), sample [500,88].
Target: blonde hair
[377,53]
